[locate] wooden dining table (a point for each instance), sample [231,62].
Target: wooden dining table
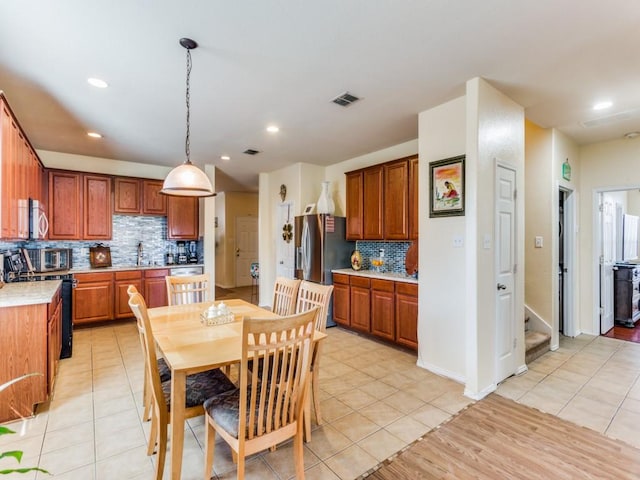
[189,347]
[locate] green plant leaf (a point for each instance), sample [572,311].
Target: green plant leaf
[5,430]
[17,454]
[23,470]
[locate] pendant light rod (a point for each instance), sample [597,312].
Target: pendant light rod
[189,45]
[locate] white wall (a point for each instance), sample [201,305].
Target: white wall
[495,133]
[604,166]
[82,163]
[442,270]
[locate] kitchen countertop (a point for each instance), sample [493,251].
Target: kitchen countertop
[398,277]
[20,294]
[118,268]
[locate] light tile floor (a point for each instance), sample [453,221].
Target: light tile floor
[374,398]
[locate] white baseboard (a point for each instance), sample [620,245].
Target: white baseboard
[441,371]
[521,369]
[482,393]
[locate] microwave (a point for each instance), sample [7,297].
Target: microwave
[50,259]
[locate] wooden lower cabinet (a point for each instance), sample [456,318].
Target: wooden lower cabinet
[387,309]
[155,288]
[341,301]
[407,314]
[360,299]
[54,338]
[382,309]
[122,282]
[93,297]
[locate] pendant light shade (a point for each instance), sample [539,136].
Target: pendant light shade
[187,180]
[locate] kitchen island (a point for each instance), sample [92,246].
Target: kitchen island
[382,304]
[30,335]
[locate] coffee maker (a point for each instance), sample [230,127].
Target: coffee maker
[193,252]
[182,257]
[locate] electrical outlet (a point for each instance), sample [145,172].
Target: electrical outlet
[458,241]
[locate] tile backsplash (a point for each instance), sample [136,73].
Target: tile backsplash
[128,231]
[394,254]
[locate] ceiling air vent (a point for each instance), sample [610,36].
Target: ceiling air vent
[251,151]
[345,99]
[609,119]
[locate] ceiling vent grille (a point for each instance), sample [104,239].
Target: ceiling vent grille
[345,99]
[609,119]
[251,151]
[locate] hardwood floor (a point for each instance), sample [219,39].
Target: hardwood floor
[625,333]
[498,438]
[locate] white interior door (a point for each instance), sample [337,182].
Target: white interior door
[285,251]
[607,260]
[246,248]
[505,221]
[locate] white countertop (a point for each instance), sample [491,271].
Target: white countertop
[28,293]
[398,277]
[118,268]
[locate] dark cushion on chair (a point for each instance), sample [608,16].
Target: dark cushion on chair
[165,371]
[201,386]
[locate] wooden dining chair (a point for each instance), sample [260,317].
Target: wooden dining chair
[285,292]
[182,289]
[312,295]
[163,370]
[199,387]
[267,407]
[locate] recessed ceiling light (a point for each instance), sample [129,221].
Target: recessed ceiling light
[94,134]
[273,129]
[631,135]
[225,157]
[602,105]
[97,82]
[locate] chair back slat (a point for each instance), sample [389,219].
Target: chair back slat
[187,289]
[285,292]
[311,295]
[273,397]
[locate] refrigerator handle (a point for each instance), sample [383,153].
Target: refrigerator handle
[306,251]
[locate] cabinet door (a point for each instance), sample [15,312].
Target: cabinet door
[407,315]
[373,203]
[413,198]
[93,298]
[360,308]
[155,288]
[7,174]
[97,207]
[122,281]
[153,202]
[65,206]
[341,303]
[383,309]
[54,341]
[127,195]
[354,205]
[182,218]
[396,211]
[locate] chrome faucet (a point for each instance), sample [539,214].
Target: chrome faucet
[139,262]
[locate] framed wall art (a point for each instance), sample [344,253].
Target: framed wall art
[447,187]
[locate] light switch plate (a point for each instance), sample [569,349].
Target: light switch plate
[538,242]
[458,241]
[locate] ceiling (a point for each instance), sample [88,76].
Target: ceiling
[282,61]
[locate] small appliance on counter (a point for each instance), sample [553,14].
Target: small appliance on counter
[50,259]
[193,252]
[182,258]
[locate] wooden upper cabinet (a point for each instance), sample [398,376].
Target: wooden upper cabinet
[97,207]
[65,205]
[413,198]
[373,202]
[396,209]
[153,202]
[355,217]
[127,195]
[7,171]
[182,218]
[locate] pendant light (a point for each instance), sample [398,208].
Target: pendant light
[187,180]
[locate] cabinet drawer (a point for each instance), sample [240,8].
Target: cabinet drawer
[407,288]
[341,278]
[360,281]
[163,272]
[129,275]
[382,285]
[93,277]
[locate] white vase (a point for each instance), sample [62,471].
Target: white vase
[325,202]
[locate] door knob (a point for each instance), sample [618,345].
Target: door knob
[502,286]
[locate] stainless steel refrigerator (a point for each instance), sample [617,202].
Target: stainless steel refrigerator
[320,248]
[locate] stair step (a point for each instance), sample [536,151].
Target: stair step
[537,344]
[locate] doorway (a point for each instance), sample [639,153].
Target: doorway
[246,249]
[566,262]
[285,245]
